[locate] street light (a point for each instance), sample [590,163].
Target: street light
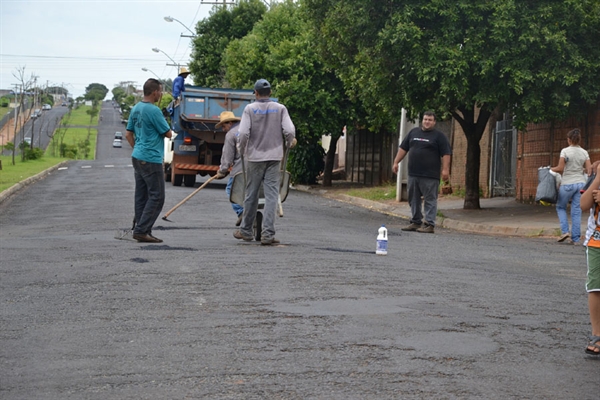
[171,19]
[175,63]
[158,77]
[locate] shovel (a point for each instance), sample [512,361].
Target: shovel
[187,198]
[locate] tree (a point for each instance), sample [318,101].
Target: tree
[215,33]
[26,84]
[538,60]
[119,94]
[280,48]
[95,92]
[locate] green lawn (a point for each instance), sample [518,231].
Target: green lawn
[72,137]
[12,174]
[79,116]
[4,111]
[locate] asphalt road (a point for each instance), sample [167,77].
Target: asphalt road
[40,129]
[204,316]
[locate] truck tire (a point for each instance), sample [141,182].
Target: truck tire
[189,180]
[257,227]
[177,180]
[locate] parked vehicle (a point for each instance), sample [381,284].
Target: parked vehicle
[36,113]
[117,143]
[197,146]
[46,107]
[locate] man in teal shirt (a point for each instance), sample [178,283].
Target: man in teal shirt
[146,131]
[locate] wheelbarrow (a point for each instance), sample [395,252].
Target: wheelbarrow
[238,194]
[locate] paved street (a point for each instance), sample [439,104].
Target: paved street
[204,316]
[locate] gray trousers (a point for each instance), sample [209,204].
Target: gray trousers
[267,175]
[428,189]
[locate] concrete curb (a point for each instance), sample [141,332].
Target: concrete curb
[5,194]
[403,211]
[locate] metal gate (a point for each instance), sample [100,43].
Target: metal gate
[504,162]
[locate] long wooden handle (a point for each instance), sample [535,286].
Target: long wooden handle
[190,196]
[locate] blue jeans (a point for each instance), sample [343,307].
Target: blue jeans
[267,175]
[149,194]
[236,207]
[566,193]
[427,188]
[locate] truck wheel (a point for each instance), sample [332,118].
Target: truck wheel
[189,180]
[258,226]
[177,179]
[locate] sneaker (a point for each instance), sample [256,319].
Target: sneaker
[411,228]
[240,235]
[563,237]
[426,229]
[575,243]
[239,220]
[268,242]
[145,238]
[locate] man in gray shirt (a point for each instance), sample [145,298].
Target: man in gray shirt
[264,130]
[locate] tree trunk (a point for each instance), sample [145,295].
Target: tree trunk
[472,173]
[329,161]
[473,130]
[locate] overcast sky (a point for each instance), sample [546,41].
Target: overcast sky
[74,43]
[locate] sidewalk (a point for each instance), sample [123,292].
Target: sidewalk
[497,216]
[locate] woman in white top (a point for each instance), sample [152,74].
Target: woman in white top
[573,162]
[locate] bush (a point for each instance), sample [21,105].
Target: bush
[33,154]
[68,151]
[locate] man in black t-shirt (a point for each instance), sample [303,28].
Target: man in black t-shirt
[430,152]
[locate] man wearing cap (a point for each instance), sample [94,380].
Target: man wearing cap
[230,156]
[265,128]
[179,82]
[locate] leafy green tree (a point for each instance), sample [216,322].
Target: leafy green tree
[215,33]
[280,48]
[95,92]
[119,94]
[471,59]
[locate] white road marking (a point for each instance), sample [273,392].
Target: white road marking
[62,168]
[109,166]
[86,166]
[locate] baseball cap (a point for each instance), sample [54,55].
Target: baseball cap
[262,84]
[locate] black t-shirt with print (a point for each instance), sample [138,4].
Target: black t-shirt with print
[425,151]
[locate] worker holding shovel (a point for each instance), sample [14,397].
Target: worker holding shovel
[230,158]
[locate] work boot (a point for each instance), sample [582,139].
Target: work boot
[145,238]
[412,227]
[240,235]
[426,229]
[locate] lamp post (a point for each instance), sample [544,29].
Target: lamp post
[157,77]
[171,19]
[175,64]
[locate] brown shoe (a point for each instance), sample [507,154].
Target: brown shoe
[268,242]
[563,237]
[145,238]
[159,240]
[411,228]
[239,235]
[426,229]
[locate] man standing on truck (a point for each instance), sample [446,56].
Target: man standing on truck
[264,127]
[230,156]
[179,83]
[146,130]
